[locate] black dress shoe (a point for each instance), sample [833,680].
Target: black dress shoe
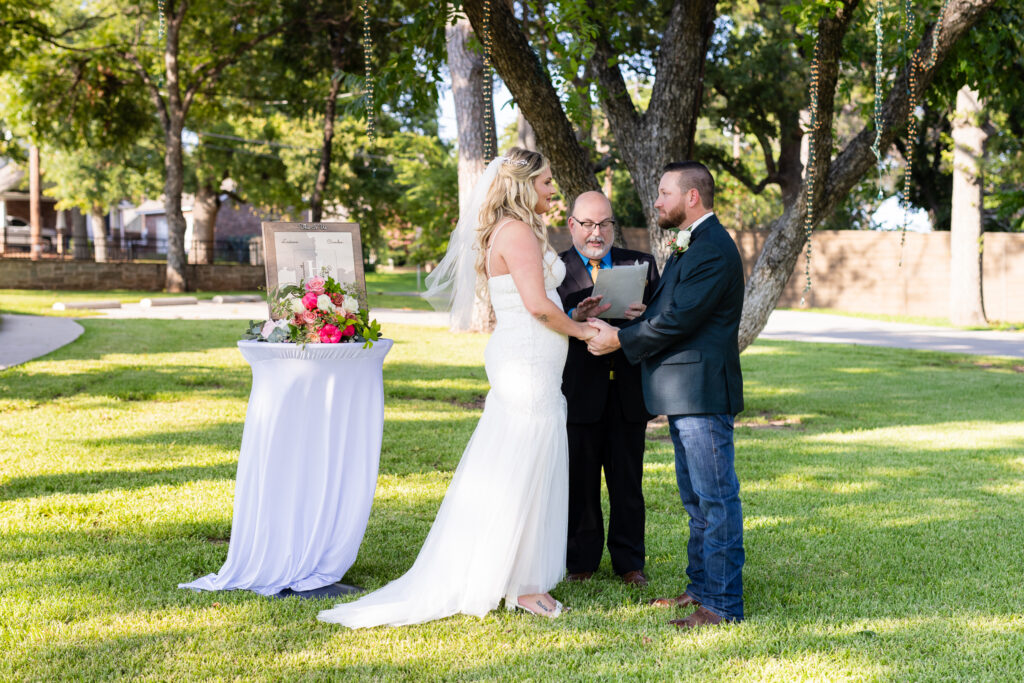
[684,600]
[635,578]
[702,617]
[577,577]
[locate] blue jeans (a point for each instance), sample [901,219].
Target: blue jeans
[711,495]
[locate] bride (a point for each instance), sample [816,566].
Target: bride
[501,529]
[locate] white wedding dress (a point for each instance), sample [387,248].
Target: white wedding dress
[501,529]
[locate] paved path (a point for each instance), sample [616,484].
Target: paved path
[23,337]
[840,329]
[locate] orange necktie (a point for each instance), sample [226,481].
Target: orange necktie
[595,266]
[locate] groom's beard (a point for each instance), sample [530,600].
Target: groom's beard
[672,220]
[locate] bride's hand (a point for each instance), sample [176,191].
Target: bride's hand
[586,332]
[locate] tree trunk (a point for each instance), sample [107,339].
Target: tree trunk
[837,176]
[174,180]
[665,131]
[530,85]
[204,221]
[99,233]
[35,235]
[966,305]
[525,136]
[467,72]
[79,236]
[323,175]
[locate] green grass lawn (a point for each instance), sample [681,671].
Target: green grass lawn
[883,493]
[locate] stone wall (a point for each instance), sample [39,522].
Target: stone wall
[147,277]
[860,271]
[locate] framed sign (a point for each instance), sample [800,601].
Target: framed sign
[297,251]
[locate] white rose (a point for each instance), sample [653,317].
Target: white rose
[683,240]
[351,304]
[282,324]
[323,302]
[295,304]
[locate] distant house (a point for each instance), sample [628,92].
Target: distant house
[146,224]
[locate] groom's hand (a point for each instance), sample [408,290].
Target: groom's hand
[607,339]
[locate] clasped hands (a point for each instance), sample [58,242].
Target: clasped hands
[606,337]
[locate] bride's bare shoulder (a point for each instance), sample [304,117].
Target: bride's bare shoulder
[513,232]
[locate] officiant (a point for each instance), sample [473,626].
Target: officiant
[607,421]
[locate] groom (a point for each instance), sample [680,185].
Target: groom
[686,343]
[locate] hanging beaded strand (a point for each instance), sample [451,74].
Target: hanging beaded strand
[811,170]
[161,32]
[916,67]
[876,145]
[371,132]
[488,87]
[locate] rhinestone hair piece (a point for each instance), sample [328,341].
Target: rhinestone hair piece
[515,162]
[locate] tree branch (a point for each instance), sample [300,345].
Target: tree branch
[733,168]
[856,158]
[520,68]
[211,71]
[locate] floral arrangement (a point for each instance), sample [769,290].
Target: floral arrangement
[316,311]
[681,241]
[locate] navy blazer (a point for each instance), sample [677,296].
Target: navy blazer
[585,380]
[687,340]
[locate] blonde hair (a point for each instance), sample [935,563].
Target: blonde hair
[511,195]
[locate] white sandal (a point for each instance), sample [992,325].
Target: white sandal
[559,608]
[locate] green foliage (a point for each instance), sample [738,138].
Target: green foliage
[103,176]
[403,193]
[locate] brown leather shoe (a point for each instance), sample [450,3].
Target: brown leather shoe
[702,617]
[577,577]
[635,578]
[684,600]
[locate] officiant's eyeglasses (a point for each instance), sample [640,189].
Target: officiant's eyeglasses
[590,225]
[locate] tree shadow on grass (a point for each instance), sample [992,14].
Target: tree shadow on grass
[96,481]
[127,382]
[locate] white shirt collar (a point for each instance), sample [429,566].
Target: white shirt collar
[700,220]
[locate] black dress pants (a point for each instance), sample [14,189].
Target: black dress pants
[617,446]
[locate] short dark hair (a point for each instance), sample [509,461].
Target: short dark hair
[694,175]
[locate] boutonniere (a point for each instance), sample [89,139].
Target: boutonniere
[681,242]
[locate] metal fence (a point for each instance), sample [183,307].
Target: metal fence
[230,250]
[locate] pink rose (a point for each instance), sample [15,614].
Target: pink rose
[268,327]
[308,317]
[337,298]
[309,300]
[349,331]
[315,285]
[329,334]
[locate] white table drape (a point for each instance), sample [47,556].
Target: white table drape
[307,469]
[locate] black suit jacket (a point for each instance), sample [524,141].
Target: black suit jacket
[686,341]
[585,378]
